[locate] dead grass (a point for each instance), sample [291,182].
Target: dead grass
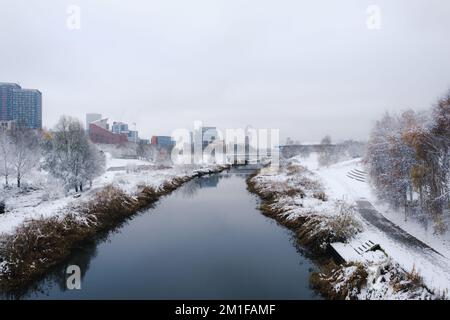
[343,224]
[339,282]
[313,231]
[38,244]
[407,281]
[320,195]
[295,169]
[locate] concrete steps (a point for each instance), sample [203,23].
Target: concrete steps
[357,175]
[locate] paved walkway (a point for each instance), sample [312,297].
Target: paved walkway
[369,213]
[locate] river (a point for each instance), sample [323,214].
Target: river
[206,240]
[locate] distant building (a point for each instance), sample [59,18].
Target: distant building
[163,141]
[7,125]
[6,100]
[24,106]
[119,127]
[91,117]
[203,136]
[102,123]
[99,133]
[122,128]
[133,136]
[209,135]
[118,131]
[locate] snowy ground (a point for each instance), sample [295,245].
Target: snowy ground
[46,198]
[434,268]
[116,162]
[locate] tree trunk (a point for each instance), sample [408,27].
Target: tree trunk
[81,187]
[76,188]
[18,181]
[406,207]
[421,197]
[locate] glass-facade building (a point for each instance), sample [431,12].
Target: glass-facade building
[119,127]
[24,106]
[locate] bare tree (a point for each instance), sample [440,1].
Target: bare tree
[94,164]
[326,154]
[148,152]
[5,154]
[25,153]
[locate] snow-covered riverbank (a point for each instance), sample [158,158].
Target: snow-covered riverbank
[319,204]
[43,197]
[47,224]
[433,268]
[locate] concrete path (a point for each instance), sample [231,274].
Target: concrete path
[375,218]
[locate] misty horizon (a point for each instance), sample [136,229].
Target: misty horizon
[306,69]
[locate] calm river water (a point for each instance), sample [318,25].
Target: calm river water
[207,240]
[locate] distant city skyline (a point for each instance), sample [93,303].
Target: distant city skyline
[306,68]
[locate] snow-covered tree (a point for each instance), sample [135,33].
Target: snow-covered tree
[25,153]
[94,164]
[326,154]
[408,156]
[148,152]
[70,156]
[5,155]
[440,131]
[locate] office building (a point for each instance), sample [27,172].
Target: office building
[163,141]
[24,106]
[122,128]
[99,133]
[7,125]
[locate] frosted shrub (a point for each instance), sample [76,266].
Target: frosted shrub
[344,224]
[293,169]
[340,282]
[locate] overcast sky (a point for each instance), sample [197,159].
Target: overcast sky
[309,68]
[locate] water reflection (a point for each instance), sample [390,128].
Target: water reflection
[206,240]
[191,188]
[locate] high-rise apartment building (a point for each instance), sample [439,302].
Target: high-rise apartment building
[24,106]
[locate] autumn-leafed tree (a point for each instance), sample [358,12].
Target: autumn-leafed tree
[408,160]
[441,136]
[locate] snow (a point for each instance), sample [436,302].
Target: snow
[47,199]
[349,251]
[115,162]
[338,185]
[434,269]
